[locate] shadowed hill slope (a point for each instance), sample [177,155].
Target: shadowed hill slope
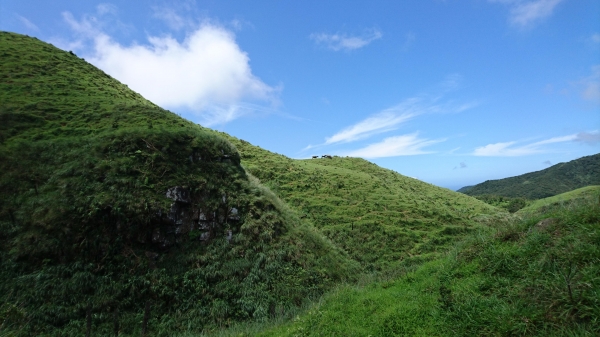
[559,178]
[117,215]
[378,216]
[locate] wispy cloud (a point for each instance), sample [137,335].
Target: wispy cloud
[346,42]
[390,119]
[590,85]
[595,38]
[27,23]
[525,13]
[513,149]
[384,121]
[405,145]
[462,165]
[206,73]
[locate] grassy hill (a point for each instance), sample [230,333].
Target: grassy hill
[380,217]
[588,193]
[559,178]
[118,215]
[532,277]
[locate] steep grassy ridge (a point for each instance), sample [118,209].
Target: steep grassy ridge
[379,216]
[559,178]
[532,277]
[116,215]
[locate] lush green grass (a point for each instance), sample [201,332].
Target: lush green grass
[536,277]
[84,168]
[85,164]
[378,216]
[559,178]
[588,192]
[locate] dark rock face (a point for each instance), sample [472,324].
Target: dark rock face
[179,194]
[187,215]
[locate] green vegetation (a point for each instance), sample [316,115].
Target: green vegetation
[509,204]
[589,193]
[534,277]
[119,216]
[89,241]
[378,216]
[554,180]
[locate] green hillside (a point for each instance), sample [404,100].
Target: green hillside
[118,215]
[378,216]
[533,277]
[589,193]
[559,178]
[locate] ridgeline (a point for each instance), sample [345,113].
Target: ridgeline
[559,178]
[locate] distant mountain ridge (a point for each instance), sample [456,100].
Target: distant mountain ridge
[559,178]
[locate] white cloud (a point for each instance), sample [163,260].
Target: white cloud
[384,121]
[511,149]
[526,13]
[405,145]
[28,24]
[595,38]
[207,72]
[389,119]
[345,42]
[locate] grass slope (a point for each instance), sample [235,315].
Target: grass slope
[378,216]
[559,178]
[85,164]
[533,277]
[537,206]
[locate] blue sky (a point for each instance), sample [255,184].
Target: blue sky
[450,92]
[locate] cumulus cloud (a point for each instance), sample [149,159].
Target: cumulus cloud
[547,162]
[206,72]
[513,149]
[405,145]
[526,13]
[346,42]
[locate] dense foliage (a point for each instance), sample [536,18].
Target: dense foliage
[559,178]
[509,204]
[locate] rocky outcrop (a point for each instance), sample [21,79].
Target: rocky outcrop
[187,218]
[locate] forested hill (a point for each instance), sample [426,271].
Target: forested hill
[559,178]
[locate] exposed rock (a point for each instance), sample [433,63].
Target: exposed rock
[179,194]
